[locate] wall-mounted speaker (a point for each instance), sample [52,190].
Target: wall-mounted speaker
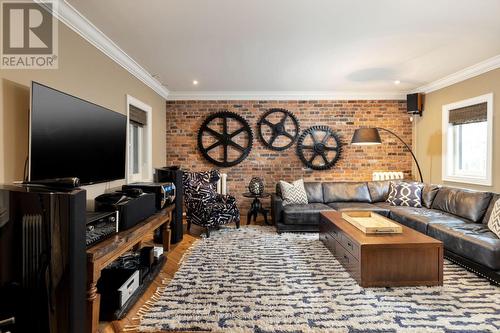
[415,103]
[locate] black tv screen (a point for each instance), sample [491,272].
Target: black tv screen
[70,137]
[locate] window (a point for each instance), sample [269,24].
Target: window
[467,141]
[135,150]
[139,141]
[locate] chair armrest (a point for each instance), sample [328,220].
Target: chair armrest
[276,208]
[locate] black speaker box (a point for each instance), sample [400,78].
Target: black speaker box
[415,103]
[174,176]
[42,259]
[131,211]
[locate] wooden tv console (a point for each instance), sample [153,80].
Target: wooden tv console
[383,260]
[102,254]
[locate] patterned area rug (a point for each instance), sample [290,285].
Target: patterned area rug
[254,280]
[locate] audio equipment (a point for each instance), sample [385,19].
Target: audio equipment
[415,103]
[157,252]
[100,225]
[131,210]
[132,192]
[116,286]
[165,192]
[63,183]
[147,257]
[43,264]
[173,175]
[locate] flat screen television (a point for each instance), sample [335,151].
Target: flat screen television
[70,137]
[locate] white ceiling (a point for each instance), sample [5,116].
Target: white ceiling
[299,45]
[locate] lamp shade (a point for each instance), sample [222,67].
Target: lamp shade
[366,136]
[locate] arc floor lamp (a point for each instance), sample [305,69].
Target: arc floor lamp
[371,136]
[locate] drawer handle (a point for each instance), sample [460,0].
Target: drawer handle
[349,244]
[335,232]
[346,258]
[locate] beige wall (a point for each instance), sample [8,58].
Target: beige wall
[84,72]
[428,128]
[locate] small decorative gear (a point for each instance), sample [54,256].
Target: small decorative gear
[225,138]
[288,126]
[319,147]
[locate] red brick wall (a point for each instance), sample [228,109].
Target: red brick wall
[356,163]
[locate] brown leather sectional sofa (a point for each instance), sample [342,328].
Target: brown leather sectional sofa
[457,217]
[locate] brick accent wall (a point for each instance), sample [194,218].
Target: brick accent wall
[356,163]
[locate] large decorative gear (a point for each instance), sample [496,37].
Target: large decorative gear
[225,138]
[287,127]
[319,147]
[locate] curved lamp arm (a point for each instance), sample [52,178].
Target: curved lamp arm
[407,147]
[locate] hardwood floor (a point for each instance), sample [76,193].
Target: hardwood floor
[172,265]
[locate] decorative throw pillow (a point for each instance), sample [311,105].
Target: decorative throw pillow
[294,193]
[406,194]
[392,193]
[494,221]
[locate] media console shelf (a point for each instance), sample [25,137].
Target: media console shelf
[102,254]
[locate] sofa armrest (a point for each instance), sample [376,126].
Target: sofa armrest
[276,208]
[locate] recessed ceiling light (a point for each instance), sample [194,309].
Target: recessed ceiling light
[195,82]
[397,82]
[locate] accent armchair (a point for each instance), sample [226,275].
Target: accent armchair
[204,206]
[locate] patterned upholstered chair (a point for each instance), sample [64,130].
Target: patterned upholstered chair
[204,206]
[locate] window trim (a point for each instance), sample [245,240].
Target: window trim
[448,148]
[147,142]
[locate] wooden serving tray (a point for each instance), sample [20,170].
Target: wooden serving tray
[372,223]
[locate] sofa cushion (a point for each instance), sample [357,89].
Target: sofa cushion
[314,191]
[487,215]
[345,191]
[470,240]
[471,205]
[278,190]
[363,206]
[303,214]
[428,194]
[419,218]
[379,190]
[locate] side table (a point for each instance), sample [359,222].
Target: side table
[256,207]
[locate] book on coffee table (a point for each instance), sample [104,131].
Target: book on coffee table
[371,223]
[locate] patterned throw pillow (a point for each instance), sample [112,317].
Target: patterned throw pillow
[392,193]
[494,221]
[406,194]
[294,193]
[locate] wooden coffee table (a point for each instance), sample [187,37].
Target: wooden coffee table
[386,260]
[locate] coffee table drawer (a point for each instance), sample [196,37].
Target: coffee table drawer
[350,263]
[326,227]
[328,241]
[350,245]
[335,232]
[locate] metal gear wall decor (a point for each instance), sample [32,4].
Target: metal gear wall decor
[287,126]
[225,138]
[319,147]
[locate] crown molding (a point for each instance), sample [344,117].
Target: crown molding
[72,18]
[462,75]
[282,95]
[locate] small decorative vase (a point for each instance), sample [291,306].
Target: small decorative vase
[256,186]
